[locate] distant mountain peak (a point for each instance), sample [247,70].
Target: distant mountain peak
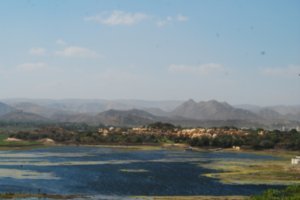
[191,101]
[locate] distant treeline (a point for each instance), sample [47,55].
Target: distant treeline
[162,133]
[273,139]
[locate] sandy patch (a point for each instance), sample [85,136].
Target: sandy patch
[10,139]
[25,174]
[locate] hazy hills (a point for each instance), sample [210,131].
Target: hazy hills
[95,105]
[281,109]
[132,117]
[211,110]
[4,109]
[138,112]
[20,116]
[280,112]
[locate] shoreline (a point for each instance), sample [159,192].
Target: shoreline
[24,144]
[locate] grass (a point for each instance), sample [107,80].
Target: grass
[279,153]
[289,193]
[6,145]
[278,171]
[3,137]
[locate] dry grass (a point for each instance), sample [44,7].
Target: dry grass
[256,172]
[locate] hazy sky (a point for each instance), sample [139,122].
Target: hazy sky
[235,51]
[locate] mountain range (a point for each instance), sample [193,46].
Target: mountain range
[139,112]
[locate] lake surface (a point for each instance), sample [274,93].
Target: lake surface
[117,172]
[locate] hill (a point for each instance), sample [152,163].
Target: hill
[139,112]
[20,116]
[94,106]
[44,111]
[132,117]
[4,109]
[212,110]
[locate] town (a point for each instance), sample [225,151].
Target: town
[164,133]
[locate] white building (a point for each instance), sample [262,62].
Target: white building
[296,160]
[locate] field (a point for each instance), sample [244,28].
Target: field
[5,145]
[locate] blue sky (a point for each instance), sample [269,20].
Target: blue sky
[232,50]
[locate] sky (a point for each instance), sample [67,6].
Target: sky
[241,52]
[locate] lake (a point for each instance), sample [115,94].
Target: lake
[117,172]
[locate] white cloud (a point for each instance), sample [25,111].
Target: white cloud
[182,18]
[169,19]
[75,51]
[291,70]
[37,51]
[199,69]
[164,22]
[32,66]
[118,17]
[60,42]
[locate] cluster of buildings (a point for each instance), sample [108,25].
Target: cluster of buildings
[209,132]
[187,133]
